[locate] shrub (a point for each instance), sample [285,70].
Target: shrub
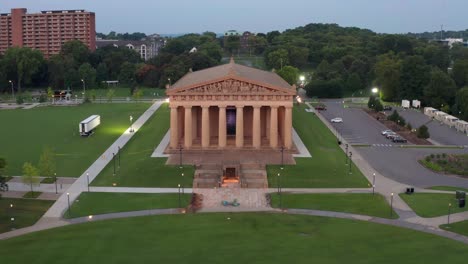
[409,126]
[19,99]
[444,155]
[423,132]
[394,116]
[432,156]
[428,159]
[43,98]
[438,156]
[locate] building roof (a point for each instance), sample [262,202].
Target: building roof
[121,43]
[234,70]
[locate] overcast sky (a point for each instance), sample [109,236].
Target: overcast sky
[183,16]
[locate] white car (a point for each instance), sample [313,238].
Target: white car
[385,132]
[337,120]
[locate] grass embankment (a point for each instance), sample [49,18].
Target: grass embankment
[447,163]
[231,238]
[138,168]
[30,131]
[356,203]
[103,203]
[326,168]
[25,212]
[432,204]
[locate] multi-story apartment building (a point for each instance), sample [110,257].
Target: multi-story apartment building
[46,31]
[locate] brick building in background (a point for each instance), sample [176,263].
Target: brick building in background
[46,31]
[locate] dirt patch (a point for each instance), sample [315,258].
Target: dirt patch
[402,131]
[447,163]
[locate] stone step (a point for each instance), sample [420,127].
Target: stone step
[253,176]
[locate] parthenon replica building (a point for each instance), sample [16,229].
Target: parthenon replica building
[231,106]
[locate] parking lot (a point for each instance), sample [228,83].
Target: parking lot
[400,164]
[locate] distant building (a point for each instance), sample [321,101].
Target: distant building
[193,50]
[245,39]
[451,41]
[46,31]
[231,33]
[147,48]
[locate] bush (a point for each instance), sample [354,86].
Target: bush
[428,159]
[325,89]
[401,121]
[444,155]
[423,132]
[19,99]
[409,126]
[394,116]
[371,102]
[378,106]
[43,98]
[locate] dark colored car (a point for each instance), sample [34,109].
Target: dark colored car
[387,108]
[398,139]
[320,107]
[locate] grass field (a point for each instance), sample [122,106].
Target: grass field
[231,238]
[355,203]
[104,203]
[28,132]
[432,204]
[448,188]
[138,169]
[24,211]
[125,92]
[459,227]
[326,168]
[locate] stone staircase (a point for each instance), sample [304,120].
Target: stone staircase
[207,176]
[253,176]
[210,176]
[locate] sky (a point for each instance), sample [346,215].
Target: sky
[196,16]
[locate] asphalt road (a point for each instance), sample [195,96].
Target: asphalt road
[440,133]
[400,164]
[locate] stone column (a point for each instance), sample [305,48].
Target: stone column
[174,128]
[188,127]
[205,126]
[256,127]
[222,127]
[274,126]
[288,127]
[239,126]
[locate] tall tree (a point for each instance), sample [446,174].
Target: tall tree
[30,174]
[440,90]
[460,72]
[88,74]
[46,164]
[462,103]
[127,73]
[22,63]
[388,73]
[415,75]
[289,73]
[75,51]
[278,59]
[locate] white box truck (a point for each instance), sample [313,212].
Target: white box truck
[88,125]
[416,104]
[450,120]
[462,126]
[429,111]
[405,104]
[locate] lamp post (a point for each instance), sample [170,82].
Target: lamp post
[113,160]
[180,156]
[183,190]
[87,178]
[350,156]
[12,89]
[373,184]
[346,155]
[448,216]
[55,177]
[84,88]
[119,156]
[282,157]
[179,193]
[10,214]
[277,183]
[69,209]
[375,90]
[391,205]
[131,124]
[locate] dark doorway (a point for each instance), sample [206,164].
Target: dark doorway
[230,172]
[231,121]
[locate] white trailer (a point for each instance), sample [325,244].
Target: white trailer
[440,116]
[88,125]
[405,104]
[450,120]
[416,104]
[462,126]
[429,111]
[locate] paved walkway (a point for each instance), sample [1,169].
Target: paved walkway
[138,190]
[81,183]
[159,151]
[248,198]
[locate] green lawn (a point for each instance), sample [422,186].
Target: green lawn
[104,203]
[326,168]
[231,238]
[29,131]
[138,169]
[448,188]
[125,92]
[459,227]
[24,211]
[432,204]
[250,61]
[356,203]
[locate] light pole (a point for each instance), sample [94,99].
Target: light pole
[375,90]
[350,157]
[113,159]
[448,216]
[183,190]
[391,205]
[12,89]
[69,209]
[55,177]
[180,156]
[346,155]
[87,178]
[10,214]
[84,88]
[179,194]
[119,156]
[282,157]
[277,183]
[373,184]
[131,124]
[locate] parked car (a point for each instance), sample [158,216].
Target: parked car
[385,132]
[387,108]
[391,136]
[337,120]
[399,139]
[320,107]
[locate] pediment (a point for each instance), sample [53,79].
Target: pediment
[231,86]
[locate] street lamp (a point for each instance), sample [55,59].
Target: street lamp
[350,156]
[12,89]
[179,193]
[131,124]
[119,156]
[87,178]
[373,184]
[180,156]
[55,177]
[346,154]
[113,160]
[282,157]
[391,205]
[84,87]
[375,90]
[69,209]
[448,216]
[277,183]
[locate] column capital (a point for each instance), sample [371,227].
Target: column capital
[274,106]
[256,106]
[205,106]
[239,106]
[173,106]
[187,106]
[222,106]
